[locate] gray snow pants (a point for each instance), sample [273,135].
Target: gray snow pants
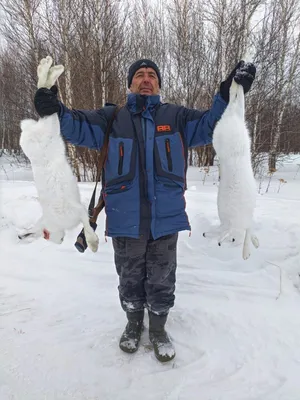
[147,272]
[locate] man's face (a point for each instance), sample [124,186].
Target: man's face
[145,81]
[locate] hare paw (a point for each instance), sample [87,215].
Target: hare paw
[42,71]
[54,74]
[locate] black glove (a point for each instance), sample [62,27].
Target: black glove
[46,102]
[243,74]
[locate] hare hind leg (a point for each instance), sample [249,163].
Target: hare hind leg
[54,74]
[47,75]
[43,70]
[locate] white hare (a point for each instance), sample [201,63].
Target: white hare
[237,188]
[56,185]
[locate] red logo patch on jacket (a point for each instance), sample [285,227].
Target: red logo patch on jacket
[163,128]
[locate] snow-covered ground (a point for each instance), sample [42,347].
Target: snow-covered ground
[235,325]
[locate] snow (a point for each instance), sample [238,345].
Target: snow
[166,349]
[130,344]
[235,325]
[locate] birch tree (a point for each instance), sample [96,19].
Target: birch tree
[195,43]
[288,58]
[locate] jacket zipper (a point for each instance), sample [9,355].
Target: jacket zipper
[121,158]
[168,153]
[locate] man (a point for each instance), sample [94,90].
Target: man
[144,184]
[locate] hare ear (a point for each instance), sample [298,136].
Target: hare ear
[54,74]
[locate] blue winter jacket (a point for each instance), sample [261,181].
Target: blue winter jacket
[144,174]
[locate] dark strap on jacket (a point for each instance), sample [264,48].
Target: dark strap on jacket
[94,211]
[81,243]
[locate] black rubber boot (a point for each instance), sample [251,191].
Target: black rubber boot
[131,336]
[162,345]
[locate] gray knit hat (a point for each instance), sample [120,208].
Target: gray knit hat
[144,63]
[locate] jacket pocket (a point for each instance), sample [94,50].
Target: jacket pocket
[117,188]
[169,157]
[169,198]
[120,165]
[121,200]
